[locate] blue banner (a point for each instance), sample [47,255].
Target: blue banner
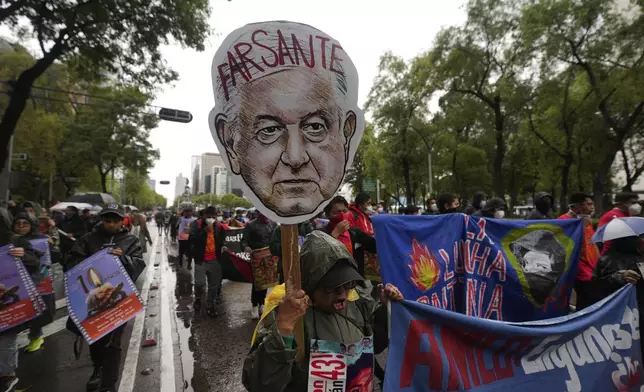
[596,349]
[489,268]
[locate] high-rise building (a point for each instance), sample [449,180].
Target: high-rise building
[152,184]
[194,173]
[180,184]
[208,184]
[220,175]
[206,163]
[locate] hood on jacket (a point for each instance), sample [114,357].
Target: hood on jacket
[28,218]
[478,198]
[27,203]
[320,252]
[494,203]
[541,202]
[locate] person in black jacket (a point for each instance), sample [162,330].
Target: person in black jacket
[106,352]
[31,259]
[206,238]
[257,235]
[74,228]
[543,203]
[26,229]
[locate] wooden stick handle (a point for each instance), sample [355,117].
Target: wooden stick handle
[292,276]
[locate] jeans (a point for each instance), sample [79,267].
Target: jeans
[209,271]
[8,352]
[35,333]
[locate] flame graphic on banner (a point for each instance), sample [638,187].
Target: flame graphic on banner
[425,270]
[94,277]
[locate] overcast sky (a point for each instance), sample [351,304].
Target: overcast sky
[365,28]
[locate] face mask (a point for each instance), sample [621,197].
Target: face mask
[433,207]
[482,204]
[369,209]
[210,221]
[635,209]
[453,210]
[499,214]
[381,209]
[220,219]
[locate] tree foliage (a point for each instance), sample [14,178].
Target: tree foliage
[101,40]
[525,96]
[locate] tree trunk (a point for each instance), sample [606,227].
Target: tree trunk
[103,179]
[406,175]
[499,186]
[565,177]
[19,96]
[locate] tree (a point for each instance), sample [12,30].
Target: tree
[113,39]
[356,174]
[605,44]
[483,60]
[398,97]
[113,134]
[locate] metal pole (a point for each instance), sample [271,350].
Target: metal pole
[378,190]
[5,175]
[51,187]
[429,166]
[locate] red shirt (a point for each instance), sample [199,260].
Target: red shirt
[589,253]
[607,217]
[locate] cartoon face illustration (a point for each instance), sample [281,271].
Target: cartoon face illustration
[542,259]
[286,119]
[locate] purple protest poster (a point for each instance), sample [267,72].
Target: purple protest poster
[19,299]
[45,285]
[100,295]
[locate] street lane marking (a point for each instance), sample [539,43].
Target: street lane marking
[128,377]
[61,303]
[168,380]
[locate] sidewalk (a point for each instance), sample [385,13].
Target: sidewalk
[54,368]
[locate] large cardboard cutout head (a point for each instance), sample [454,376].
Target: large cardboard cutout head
[286,117]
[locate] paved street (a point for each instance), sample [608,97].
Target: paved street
[191,353]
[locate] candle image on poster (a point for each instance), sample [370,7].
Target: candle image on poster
[19,299]
[286,94]
[100,295]
[46,284]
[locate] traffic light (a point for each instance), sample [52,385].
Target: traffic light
[175,115]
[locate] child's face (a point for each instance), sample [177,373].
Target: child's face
[21,227]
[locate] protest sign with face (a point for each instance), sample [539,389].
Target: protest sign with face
[286,117]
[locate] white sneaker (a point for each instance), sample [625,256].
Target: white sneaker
[261,311]
[254,312]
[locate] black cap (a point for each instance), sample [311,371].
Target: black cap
[342,272]
[112,209]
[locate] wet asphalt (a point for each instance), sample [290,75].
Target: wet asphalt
[212,350]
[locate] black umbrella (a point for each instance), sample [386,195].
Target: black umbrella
[93,198]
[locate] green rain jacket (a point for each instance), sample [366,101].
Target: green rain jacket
[271,366]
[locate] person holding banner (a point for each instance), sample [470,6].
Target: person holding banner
[22,225]
[111,233]
[341,321]
[26,230]
[257,236]
[582,206]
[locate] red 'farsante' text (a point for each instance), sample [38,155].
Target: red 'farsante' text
[255,57]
